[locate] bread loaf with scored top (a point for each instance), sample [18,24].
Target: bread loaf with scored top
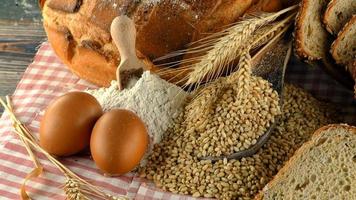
[78,30]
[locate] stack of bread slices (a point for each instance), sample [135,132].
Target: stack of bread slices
[325,166]
[327,28]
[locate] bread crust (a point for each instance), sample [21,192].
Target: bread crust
[352,69]
[161,28]
[339,39]
[326,16]
[301,150]
[266,6]
[298,33]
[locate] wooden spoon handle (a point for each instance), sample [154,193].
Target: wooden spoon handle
[123,33]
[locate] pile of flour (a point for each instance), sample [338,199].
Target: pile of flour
[153,99]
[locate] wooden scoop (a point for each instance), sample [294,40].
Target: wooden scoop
[123,33]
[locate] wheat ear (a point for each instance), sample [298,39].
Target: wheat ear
[266,33]
[260,37]
[200,107]
[226,48]
[242,76]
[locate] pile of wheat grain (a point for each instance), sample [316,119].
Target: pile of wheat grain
[230,114]
[232,123]
[173,167]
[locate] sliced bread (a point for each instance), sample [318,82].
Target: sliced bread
[343,48]
[337,13]
[352,69]
[311,37]
[323,168]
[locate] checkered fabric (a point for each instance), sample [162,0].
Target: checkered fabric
[47,78]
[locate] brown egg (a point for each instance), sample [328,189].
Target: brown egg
[118,142]
[67,124]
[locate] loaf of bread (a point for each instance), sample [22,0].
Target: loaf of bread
[78,30]
[337,13]
[271,5]
[323,168]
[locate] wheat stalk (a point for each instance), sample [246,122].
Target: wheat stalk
[221,48]
[81,190]
[226,48]
[38,167]
[266,33]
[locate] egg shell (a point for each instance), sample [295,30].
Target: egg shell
[118,142]
[67,124]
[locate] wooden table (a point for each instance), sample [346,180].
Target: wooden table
[20,35]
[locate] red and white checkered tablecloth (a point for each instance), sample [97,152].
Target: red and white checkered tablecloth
[47,78]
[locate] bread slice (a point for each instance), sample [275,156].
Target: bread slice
[352,69]
[310,36]
[337,13]
[343,48]
[323,168]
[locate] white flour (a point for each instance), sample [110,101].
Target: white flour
[153,99]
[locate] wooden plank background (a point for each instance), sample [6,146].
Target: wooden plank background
[20,35]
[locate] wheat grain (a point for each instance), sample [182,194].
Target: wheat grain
[201,105]
[172,167]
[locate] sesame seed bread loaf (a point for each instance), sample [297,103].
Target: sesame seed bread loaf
[78,30]
[323,168]
[311,39]
[343,48]
[337,13]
